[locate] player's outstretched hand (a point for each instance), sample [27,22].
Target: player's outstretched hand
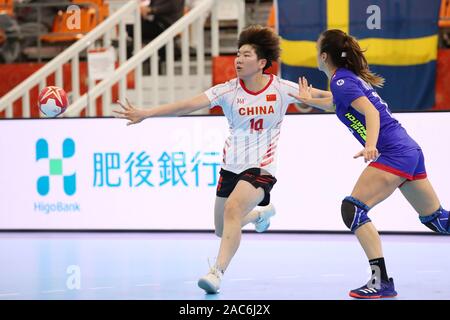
[304,91]
[129,112]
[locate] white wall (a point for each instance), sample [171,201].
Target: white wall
[316,171]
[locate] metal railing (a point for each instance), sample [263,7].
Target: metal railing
[194,19]
[102,33]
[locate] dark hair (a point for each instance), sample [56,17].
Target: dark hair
[345,52]
[264,40]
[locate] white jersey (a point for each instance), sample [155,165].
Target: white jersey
[255,120]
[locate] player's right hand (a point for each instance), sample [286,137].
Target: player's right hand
[129,112]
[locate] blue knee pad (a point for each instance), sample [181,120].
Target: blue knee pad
[437,221]
[354,213]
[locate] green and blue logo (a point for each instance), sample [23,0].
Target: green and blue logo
[55,167]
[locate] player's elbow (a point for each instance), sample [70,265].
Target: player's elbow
[373,112]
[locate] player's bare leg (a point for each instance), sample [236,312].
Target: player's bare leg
[240,202]
[421,195]
[373,186]
[260,216]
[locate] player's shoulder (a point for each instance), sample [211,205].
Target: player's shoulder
[231,84]
[343,78]
[225,87]
[344,74]
[283,83]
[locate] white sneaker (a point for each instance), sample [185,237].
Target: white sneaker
[265,213]
[211,281]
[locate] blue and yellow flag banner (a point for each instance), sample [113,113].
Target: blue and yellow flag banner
[400,38]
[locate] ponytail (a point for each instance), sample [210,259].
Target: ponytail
[345,52]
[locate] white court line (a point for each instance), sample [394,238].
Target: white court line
[53,291]
[9,294]
[242,279]
[148,285]
[100,288]
[332,275]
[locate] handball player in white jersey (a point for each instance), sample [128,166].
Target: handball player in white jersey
[254,104]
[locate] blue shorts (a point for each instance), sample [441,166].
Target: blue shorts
[408,164]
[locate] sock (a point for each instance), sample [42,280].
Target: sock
[219,269]
[378,264]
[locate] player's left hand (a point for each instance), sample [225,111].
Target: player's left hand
[304,91]
[369,153]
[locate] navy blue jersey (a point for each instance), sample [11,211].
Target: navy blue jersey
[346,88]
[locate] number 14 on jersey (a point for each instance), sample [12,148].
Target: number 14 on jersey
[256,125]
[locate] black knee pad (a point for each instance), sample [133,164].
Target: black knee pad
[348,213]
[354,213]
[438,221]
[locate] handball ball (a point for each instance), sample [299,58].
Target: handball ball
[52,101]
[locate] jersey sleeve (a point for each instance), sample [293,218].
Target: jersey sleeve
[217,94]
[345,91]
[289,87]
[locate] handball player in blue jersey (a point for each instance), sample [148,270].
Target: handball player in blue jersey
[396,160]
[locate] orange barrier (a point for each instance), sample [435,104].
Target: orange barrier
[443,80]
[6,7]
[444,15]
[271,18]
